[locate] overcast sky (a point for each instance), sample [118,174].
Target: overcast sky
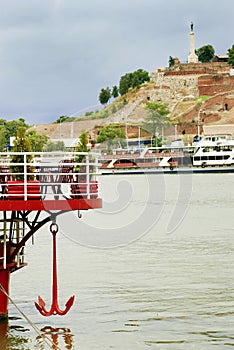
[56,55]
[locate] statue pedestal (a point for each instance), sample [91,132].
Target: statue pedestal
[192,58]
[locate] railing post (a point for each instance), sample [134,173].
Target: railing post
[4,244]
[96,165]
[25,176]
[87,175]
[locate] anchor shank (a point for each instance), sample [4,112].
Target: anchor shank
[55,281]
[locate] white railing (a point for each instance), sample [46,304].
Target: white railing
[50,175]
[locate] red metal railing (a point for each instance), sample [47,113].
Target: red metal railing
[55,176]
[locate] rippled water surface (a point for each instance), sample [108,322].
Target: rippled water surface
[142,277]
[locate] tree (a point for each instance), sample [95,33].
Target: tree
[115,91]
[65,118]
[12,126]
[38,141]
[104,95]
[3,140]
[82,146]
[231,56]
[157,117]
[131,80]
[54,146]
[111,135]
[22,144]
[125,84]
[171,61]
[205,53]
[8,129]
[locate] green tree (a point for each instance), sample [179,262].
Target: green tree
[22,144]
[12,126]
[156,117]
[54,146]
[82,146]
[3,139]
[104,96]
[131,80]
[38,141]
[125,83]
[65,118]
[205,53]
[171,61]
[115,91]
[110,134]
[231,56]
[139,77]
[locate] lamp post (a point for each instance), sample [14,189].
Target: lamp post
[156,137]
[126,132]
[176,131]
[198,123]
[139,137]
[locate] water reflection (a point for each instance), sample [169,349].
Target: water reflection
[59,337]
[11,338]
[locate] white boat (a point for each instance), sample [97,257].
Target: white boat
[214,151]
[147,159]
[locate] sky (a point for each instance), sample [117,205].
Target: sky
[57,55]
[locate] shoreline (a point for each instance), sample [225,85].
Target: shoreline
[188,170]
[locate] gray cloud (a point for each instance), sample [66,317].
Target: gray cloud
[55,56]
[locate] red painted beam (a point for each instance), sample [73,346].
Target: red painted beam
[4,281]
[60,204]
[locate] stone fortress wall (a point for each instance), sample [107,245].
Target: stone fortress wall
[197,79]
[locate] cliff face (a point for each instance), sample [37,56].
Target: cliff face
[181,87]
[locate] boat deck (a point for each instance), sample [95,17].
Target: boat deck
[53,181]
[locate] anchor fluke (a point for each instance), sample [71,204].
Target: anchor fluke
[41,307]
[70,302]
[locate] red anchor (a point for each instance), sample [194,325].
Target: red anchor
[54,310]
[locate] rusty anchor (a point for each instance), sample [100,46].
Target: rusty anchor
[54,310]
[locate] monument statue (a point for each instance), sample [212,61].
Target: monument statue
[191,26]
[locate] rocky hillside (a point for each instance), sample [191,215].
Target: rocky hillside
[206,89]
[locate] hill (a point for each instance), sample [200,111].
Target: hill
[204,89]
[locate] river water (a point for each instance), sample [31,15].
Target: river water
[153,269]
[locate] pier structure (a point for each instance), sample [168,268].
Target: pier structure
[34,193]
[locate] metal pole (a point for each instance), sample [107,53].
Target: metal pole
[198,123]
[4,244]
[156,137]
[139,136]
[175,131]
[126,132]
[25,177]
[88,176]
